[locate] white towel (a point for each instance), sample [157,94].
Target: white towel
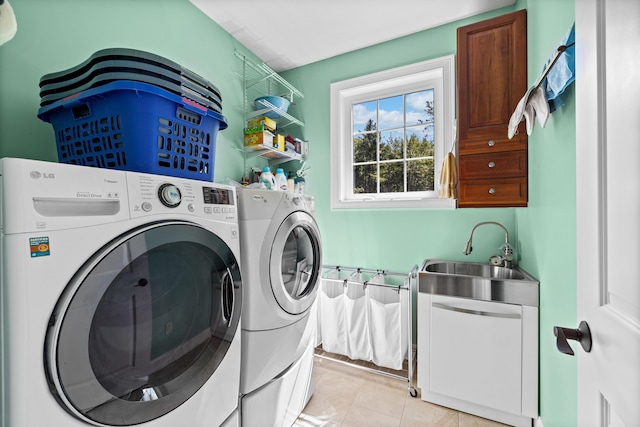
[538,103]
[8,24]
[533,104]
[518,114]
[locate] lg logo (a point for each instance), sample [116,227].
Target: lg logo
[38,175]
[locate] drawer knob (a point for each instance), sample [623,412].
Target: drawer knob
[492,164]
[492,143]
[492,190]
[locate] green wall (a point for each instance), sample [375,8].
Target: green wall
[55,35]
[547,228]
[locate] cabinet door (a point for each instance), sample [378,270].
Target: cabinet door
[476,352]
[492,77]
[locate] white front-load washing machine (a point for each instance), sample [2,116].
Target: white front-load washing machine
[281,261]
[121,298]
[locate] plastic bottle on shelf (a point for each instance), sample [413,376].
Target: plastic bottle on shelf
[300,186]
[267,179]
[281,180]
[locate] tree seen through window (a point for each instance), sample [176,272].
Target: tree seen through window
[393,144]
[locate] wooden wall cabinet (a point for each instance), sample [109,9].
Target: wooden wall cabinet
[492,78]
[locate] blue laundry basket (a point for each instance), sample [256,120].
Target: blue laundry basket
[135,126]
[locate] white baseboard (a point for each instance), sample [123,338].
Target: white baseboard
[539,422]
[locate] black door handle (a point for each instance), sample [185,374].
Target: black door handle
[582,335]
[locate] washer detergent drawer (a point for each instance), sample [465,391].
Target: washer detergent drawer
[476,352]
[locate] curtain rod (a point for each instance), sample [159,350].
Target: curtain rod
[366,283]
[363,270]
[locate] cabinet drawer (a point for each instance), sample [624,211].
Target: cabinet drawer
[509,164]
[493,192]
[491,144]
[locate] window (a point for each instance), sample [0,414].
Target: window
[390,132]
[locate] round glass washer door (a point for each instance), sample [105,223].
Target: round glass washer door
[144,324]
[295,263]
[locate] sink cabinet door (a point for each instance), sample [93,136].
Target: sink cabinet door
[476,352]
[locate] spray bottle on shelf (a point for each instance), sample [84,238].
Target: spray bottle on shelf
[267,179]
[281,180]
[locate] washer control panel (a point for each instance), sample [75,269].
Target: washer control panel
[154,194]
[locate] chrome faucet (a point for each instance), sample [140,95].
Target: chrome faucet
[505,258]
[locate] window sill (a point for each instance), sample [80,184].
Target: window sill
[395,204]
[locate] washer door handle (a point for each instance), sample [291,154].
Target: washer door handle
[227,297]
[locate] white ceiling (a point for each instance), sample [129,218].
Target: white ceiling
[289,33]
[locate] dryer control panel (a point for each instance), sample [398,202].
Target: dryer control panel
[155,194]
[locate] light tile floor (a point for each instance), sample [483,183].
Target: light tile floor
[346,396]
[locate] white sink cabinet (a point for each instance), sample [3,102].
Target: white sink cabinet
[479,357]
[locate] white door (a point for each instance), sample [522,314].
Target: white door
[608,209]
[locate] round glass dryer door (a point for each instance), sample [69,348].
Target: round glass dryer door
[295,263]
[144,324]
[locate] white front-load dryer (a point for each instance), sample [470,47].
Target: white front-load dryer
[121,298]
[281,261]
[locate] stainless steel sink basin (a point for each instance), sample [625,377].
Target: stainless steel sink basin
[478,281]
[474,269]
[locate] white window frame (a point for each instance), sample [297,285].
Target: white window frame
[438,74]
